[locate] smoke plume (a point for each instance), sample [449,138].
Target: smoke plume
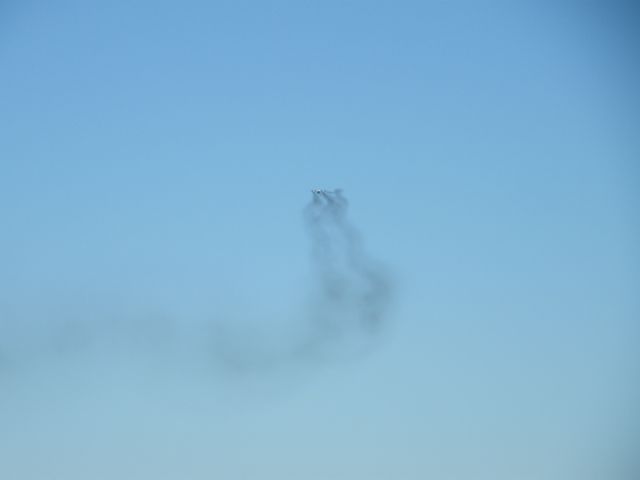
[347,308]
[353,291]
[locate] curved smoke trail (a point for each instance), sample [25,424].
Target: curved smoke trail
[354,291]
[350,296]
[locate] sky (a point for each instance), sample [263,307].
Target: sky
[157,278]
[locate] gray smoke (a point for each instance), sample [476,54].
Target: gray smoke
[347,309]
[344,314]
[353,289]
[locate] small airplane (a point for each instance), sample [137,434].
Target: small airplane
[320,192]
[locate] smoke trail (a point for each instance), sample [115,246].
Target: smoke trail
[351,293]
[353,290]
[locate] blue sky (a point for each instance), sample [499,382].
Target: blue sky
[155,158]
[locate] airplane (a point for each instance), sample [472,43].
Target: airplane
[320,192]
